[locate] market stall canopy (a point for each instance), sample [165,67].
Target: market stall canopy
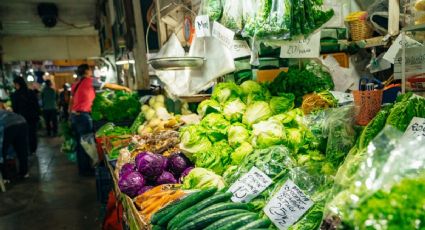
[24,36]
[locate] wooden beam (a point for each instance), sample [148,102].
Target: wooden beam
[139,51]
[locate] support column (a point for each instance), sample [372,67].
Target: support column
[139,51]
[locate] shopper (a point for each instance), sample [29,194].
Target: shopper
[50,113]
[14,132]
[25,103]
[82,96]
[64,99]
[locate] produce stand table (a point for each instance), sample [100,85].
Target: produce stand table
[131,216]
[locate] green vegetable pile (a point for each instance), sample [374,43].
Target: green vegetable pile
[115,106]
[109,129]
[287,19]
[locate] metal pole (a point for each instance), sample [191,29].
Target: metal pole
[140,56]
[403,62]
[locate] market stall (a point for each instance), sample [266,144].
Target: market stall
[304,142]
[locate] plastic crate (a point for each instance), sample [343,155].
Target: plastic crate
[104,183]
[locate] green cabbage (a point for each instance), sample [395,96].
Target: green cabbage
[267,133]
[233,110]
[237,134]
[217,158]
[224,92]
[208,106]
[282,104]
[200,178]
[256,112]
[251,86]
[241,152]
[193,140]
[215,126]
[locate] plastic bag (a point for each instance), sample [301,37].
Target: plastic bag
[232,15]
[375,191]
[212,8]
[89,145]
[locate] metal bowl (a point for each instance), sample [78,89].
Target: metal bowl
[177,63]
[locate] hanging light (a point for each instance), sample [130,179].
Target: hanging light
[74,76]
[30,78]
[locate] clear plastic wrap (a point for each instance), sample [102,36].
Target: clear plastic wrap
[212,8]
[375,189]
[233,15]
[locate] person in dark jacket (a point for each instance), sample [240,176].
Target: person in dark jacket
[48,100]
[25,103]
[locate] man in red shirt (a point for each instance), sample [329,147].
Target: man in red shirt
[83,93]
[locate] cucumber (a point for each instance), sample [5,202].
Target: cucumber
[198,207]
[239,222]
[204,221]
[212,209]
[261,223]
[224,221]
[184,204]
[156,227]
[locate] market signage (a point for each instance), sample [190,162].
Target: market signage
[288,205]
[223,34]
[415,62]
[249,186]
[416,128]
[240,49]
[304,48]
[392,52]
[202,26]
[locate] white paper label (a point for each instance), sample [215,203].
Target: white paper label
[250,186]
[288,205]
[223,34]
[343,98]
[392,52]
[415,63]
[202,26]
[416,128]
[305,48]
[240,49]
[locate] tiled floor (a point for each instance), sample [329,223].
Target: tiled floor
[54,197]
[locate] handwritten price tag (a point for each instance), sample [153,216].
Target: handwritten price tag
[288,205]
[305,48]
[416,128]
[223,34]
[249,186]
[202,26]
[240,49]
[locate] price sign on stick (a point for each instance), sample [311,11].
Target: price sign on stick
[202,26]
[250,185]
[416,128]
[288,205]
[304,48]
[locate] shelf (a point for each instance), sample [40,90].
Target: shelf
[414,28]
[366,43]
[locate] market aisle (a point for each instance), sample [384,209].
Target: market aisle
[55,197]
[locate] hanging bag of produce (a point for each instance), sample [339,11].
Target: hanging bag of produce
[89,144]
[232,15]
[212,8]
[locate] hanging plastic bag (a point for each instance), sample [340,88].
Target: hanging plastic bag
[212,8]
[232,15]
[89,145]
[384,190]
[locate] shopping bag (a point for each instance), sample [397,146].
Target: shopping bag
[89,145]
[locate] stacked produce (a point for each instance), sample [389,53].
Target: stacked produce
[150,170]
[115,106]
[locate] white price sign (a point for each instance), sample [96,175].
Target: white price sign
[240,49]
[202,26]
[392,52]
[250,186]
[305,48]
[288,205]
[416,128]
[223,34]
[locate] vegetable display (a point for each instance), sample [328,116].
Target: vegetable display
[115,107]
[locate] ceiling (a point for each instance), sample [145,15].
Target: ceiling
[20,17]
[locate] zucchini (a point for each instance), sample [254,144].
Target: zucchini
[224,221]
[198,207]
[212,209]
[261,223]
[204,221]
[240,222]
[184,204]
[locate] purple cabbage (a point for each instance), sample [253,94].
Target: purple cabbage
[185,173]
[150,165]
[178,163]
[144,189]
[131,183]
[127,168]
[166,178]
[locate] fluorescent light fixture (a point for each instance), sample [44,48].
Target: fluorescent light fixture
[46,73]
[124,62]
[32,70]
[74,76]
[30,78]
